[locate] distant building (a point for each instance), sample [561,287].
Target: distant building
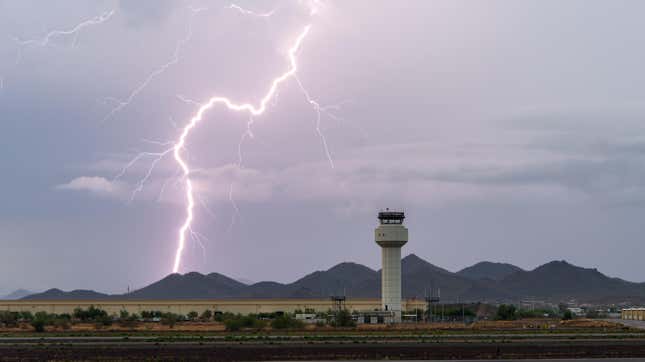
[636,314]
[308,318]
[184,306]
[576,311]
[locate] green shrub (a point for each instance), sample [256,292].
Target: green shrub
[26,316]
[221,317]
[286,321]
[9,319]
[343,319]
[206,316]
[92,314]
[169,319]
[124,314]
[567,315]
[233,324]
[39,325]
[237,322]
[506,312]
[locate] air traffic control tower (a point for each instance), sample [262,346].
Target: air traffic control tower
[391,235]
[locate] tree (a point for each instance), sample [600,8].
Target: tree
[39,325]
[92,314]
[192,315]
[506,312]
[9,319]
[562,308]
[568,315]
[26,316]
[124,314]
[343,319]
[169,319]
[43,316]
[207,315]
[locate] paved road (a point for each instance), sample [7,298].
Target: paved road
[526,360]
[629,323]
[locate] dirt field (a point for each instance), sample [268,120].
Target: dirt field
[536,338]
[218,328]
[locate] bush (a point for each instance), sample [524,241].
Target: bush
[286,321]
[92,314]
[192,315]
[39,325]
[221,317]
[506,312]
[43,316]
[169,319]
[237,322]
[343,319]
[147,314]
[124,314]
[536,313]
[26,316]
[233,324]
[9,319]
[206,316]
[567,315]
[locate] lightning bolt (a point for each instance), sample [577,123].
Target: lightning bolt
[73,31]
[178,146]
[121,104]
[251,109]
[249,12]
[45,40]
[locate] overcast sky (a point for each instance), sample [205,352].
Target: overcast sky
[508,131]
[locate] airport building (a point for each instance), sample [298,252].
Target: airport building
[242,306]
[637,314]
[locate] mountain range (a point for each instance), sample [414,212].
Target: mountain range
[17,294]
[555,281]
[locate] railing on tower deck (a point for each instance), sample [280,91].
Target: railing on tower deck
[391,217]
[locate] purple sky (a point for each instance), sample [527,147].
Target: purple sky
[508,131]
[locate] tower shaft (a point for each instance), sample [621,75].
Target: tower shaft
[391,279]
